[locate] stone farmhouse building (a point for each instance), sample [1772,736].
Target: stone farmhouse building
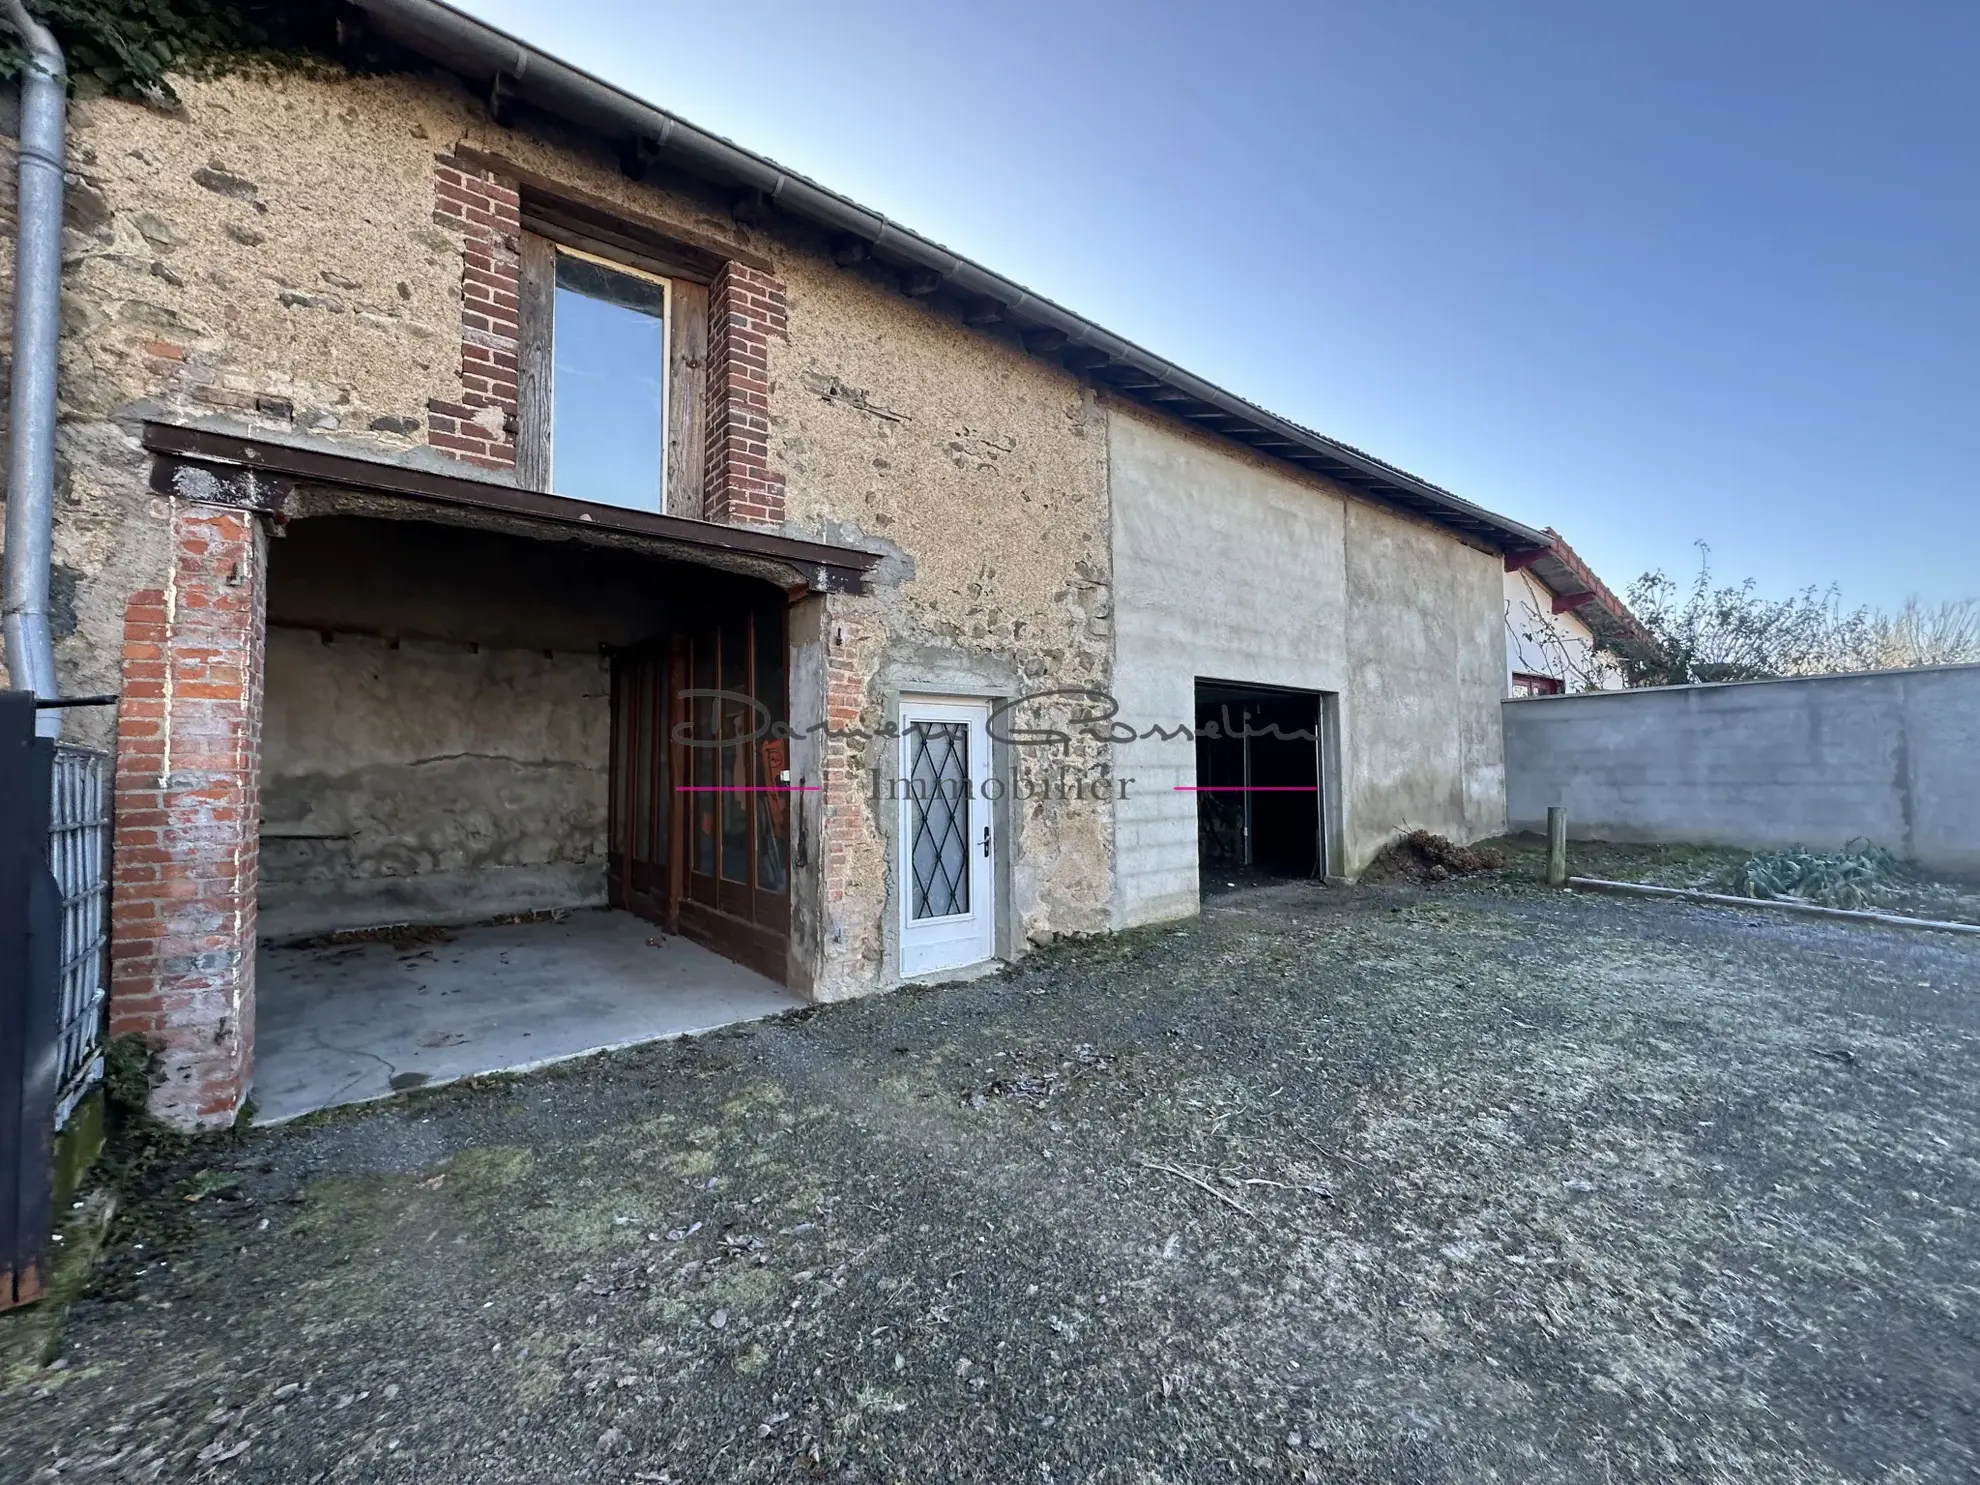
[436,432]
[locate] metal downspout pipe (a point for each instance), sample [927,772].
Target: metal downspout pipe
[24,584]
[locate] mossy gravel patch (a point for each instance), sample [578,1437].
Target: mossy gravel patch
[1466,1183]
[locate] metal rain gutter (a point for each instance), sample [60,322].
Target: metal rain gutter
[24,581]
[462,43]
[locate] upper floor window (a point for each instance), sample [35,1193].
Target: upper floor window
[610,371]
[608,383]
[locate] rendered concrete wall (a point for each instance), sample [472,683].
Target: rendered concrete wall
[428,782]
[1889,756]
[1227,567]
[1223,569]
[1421,742]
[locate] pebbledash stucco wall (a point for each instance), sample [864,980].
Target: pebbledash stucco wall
[263,256]
[1888,756]
[1228,568]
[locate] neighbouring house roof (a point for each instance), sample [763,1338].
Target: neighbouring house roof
[509,70]
[1559,569]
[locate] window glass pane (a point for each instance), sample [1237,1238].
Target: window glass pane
[938,818]
[774,756]
[607,385]
[640,741]
[705,731]
[737,723]
[623,676]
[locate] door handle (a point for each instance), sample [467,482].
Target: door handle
[986,842]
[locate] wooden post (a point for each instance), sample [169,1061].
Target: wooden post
[1557,872]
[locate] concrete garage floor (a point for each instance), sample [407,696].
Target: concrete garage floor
[346,1022]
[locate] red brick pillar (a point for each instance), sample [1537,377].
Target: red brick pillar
[745,310]
[182,906]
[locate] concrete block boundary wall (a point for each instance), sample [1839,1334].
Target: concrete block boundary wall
[1889,756]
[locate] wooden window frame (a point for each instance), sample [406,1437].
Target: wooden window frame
[685,412]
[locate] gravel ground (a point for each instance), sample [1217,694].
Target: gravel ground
[1474,1183]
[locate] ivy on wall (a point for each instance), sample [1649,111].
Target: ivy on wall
[130,47]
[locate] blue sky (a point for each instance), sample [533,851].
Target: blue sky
[1645,272]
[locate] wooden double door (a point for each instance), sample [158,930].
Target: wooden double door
[701,785]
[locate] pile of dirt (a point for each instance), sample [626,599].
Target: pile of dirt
[1423,856]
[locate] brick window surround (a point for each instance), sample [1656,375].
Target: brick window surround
[183,885]
[486,211]
[747,310]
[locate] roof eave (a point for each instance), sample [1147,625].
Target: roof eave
[484,53]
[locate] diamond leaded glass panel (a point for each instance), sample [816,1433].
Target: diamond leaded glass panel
[938,813]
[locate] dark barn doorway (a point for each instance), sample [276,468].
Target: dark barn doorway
[1258,781]
[476,850]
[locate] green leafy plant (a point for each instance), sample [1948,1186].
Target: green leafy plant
[130,47]
[1854,877]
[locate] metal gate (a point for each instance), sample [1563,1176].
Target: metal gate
[54,875]
[79,855]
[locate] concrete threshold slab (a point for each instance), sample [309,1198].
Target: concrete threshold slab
[1800,909]
[354,1022]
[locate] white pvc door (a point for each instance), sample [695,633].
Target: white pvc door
[948,912]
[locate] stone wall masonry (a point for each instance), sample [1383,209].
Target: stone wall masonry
[422,782]
[982,472]
[852,932]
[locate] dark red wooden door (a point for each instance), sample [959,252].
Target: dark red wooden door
[700,784]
